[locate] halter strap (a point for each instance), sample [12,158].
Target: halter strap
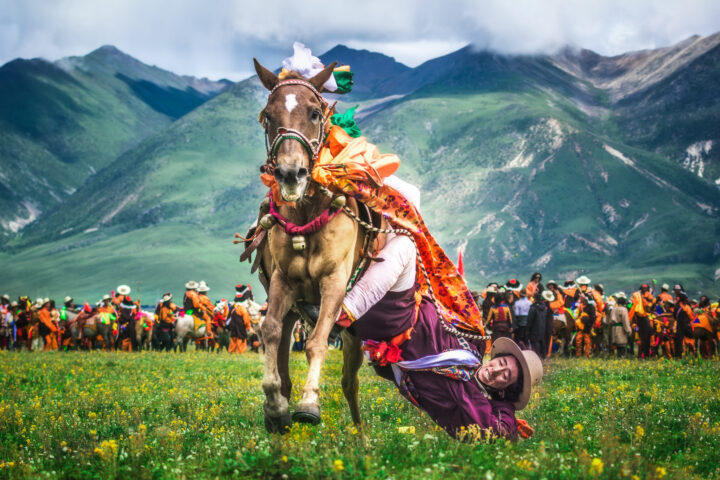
[284,133]
[298,81]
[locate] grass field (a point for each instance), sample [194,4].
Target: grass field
[150,415]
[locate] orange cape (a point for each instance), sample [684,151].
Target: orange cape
[354,167]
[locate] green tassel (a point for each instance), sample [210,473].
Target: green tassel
[344,81]
[346,121]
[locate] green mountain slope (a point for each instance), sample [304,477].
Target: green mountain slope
[663,100]
[62,121]
[520,162]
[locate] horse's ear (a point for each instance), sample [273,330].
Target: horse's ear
[267,78]
[319,80]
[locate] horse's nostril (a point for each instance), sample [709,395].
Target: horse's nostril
[302,173]
[278,174]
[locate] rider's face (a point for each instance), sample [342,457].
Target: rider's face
[500,372]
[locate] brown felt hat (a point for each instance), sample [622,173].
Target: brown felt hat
[530,364]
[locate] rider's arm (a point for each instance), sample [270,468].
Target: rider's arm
[504,413]
[395,273]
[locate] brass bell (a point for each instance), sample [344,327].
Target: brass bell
[338,202]
[267,221]
[298,243]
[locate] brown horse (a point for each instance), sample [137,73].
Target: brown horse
[295,121]
[563,328]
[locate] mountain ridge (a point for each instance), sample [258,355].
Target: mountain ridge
[538,166]
[61,121]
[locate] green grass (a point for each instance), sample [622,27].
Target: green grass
[149,415]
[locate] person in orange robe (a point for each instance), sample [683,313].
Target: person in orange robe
[533,285]
[702,328]
[166,322]
[239,326]
[206,306]
[584,323]
[642,302]
[48,329]
[664,295]
[191,303]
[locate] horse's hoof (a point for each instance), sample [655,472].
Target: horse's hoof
[279,424]
[307,414]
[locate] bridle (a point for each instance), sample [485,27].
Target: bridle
[312,146]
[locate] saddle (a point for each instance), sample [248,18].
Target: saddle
[198,323]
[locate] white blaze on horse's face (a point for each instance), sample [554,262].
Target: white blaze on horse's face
[290,102]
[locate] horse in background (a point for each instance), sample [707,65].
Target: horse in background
[185,331]
[563,329]
[94,327]
[144,327]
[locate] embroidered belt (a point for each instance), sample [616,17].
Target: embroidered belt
[382,353]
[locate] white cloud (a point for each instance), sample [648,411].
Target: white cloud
[220,37]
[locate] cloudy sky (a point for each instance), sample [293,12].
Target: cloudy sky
[218,38]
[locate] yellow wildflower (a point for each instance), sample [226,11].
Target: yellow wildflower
[596,467]
[338,465]
[660,472]
[639,431]
[409,429]
[578,428]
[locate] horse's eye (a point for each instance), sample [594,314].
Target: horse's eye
[315,115]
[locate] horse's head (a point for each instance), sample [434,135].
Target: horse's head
[295,111]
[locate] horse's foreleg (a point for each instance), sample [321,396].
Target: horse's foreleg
[277,413]
[352,361]
[332,292]
[284,355]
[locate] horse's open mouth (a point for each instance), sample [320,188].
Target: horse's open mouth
[292,193]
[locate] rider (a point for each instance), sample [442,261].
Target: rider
[69,304]
[642,302]
[48,329]
[206,306]
[584,323]
[6,322]
[191,303]
[126,318]
[122,292]
[166,321]
[239,325]
[107,314]
[23,320]
[435,370]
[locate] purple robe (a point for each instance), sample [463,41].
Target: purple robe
[453,403]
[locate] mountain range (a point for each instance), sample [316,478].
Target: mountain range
[117,172]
